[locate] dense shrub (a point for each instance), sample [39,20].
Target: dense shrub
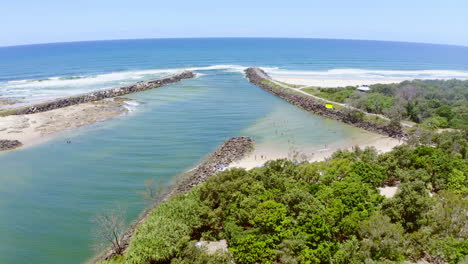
[166,230]
[336,94]
[435,103]
[323,212]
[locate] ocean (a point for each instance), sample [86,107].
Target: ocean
[50,192]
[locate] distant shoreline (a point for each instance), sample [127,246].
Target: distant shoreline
[326,83]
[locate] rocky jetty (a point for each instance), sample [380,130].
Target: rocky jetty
[9,144]
[231,150]
[99,95]
[261,79]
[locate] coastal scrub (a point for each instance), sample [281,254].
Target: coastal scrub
[322,212]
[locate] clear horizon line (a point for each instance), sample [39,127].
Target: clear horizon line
[103,40]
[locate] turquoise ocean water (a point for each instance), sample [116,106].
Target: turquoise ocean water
[50,192]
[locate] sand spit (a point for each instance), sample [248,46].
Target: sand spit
[31,124]
[35,128]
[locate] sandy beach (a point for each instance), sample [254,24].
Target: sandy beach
[36,128]
[263,153]
[328,82]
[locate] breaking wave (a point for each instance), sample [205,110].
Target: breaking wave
[53,87]
[358,74]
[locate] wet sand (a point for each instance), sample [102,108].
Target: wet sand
[36,128]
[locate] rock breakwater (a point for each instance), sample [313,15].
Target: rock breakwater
[261,79]
[99,95]
[231,150]
[9,144]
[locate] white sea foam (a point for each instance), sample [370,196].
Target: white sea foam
[198,75]
[365,74]
[84,81]
[227,68]
[131,105]
[54,86]
[117,77]
[217,67]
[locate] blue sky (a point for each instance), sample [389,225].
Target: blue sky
[431,21]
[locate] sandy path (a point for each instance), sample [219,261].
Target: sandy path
[388,191]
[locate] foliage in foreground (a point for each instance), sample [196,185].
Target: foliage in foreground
[322,212]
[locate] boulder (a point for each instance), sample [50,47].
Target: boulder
[9,144]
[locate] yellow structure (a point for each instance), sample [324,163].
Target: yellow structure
[329,106]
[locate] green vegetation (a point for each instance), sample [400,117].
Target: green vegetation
[7,112]
[291,85]
[273,85]
[432,103]
[322,212]
[333,94]
[290,91]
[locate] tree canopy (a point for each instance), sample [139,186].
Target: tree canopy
[322,212]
